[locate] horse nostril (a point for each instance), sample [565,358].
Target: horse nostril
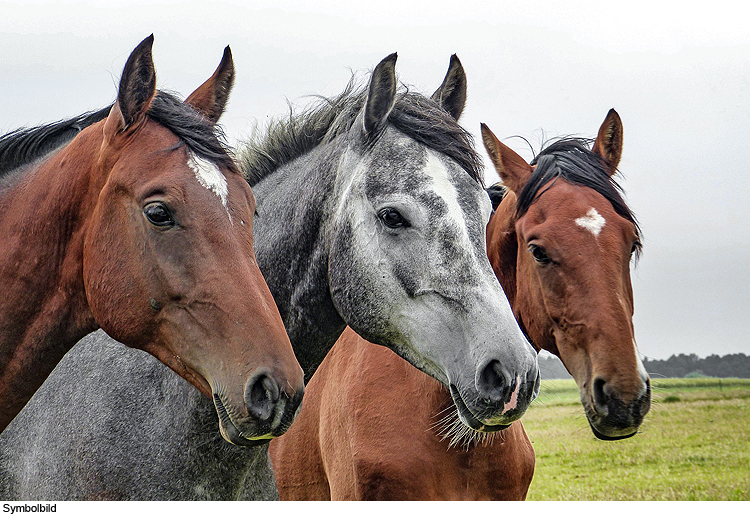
[601,400]
[492,382]
[643,404]
[261,395]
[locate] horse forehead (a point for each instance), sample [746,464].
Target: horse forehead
[209,175]
[159,139]
[592,222]
[396,166]
[404,166]
[455,188]
[574,205]
[581,224]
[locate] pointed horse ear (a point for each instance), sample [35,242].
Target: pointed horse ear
[381,95]
[137,89]
[512,169]
[210,98]
[608,142]
[451,95]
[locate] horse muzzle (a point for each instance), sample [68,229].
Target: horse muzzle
[269,411]
[610,417]
[499,400]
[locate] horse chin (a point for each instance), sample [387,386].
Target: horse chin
[471,420]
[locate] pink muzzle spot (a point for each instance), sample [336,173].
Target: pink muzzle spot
[513,402]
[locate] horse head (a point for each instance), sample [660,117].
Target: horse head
[408,243]
[168,252]
[561,242]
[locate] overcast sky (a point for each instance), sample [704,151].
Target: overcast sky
[678,74]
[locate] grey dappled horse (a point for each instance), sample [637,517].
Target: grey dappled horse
[371,214]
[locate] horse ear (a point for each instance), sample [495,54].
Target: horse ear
[512,169]
[451,95]
[608,142]
[381,95]
[137,84]
[210,99]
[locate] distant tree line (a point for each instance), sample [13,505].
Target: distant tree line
[732,365]
[676,366]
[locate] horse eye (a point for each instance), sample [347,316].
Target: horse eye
[158,215]
[539,254]
[392,218]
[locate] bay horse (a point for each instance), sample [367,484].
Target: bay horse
[370,205]
[141,225]
[560,241]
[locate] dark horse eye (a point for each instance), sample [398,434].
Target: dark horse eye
[392,218]
[158,215]
[539,254]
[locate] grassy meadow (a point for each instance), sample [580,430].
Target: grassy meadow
[693,445]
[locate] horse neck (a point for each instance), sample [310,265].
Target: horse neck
[502,246]
[291,246]
[503,250]
[43,307]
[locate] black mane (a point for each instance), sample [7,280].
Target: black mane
[413,114]
[573,160]
[497,193]
[25,145]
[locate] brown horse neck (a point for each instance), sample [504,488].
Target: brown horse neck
[503,252]
[43,307]
[502,246]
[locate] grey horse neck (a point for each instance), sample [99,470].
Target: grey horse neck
[86,439]
[292,252]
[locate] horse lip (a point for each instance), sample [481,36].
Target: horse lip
[229,430]
[594,421]
[469,418]
[604,437]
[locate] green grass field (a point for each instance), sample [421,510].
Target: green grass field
[693,445]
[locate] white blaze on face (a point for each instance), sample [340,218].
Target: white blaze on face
[447,191]
[443,187]
[210,176]
[592,222]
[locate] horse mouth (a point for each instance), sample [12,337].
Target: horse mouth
[229,430]
[604,437]
[468,418]
[609,432]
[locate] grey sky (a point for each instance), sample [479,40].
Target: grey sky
[678,75]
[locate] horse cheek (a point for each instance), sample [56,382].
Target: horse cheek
[115,288]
